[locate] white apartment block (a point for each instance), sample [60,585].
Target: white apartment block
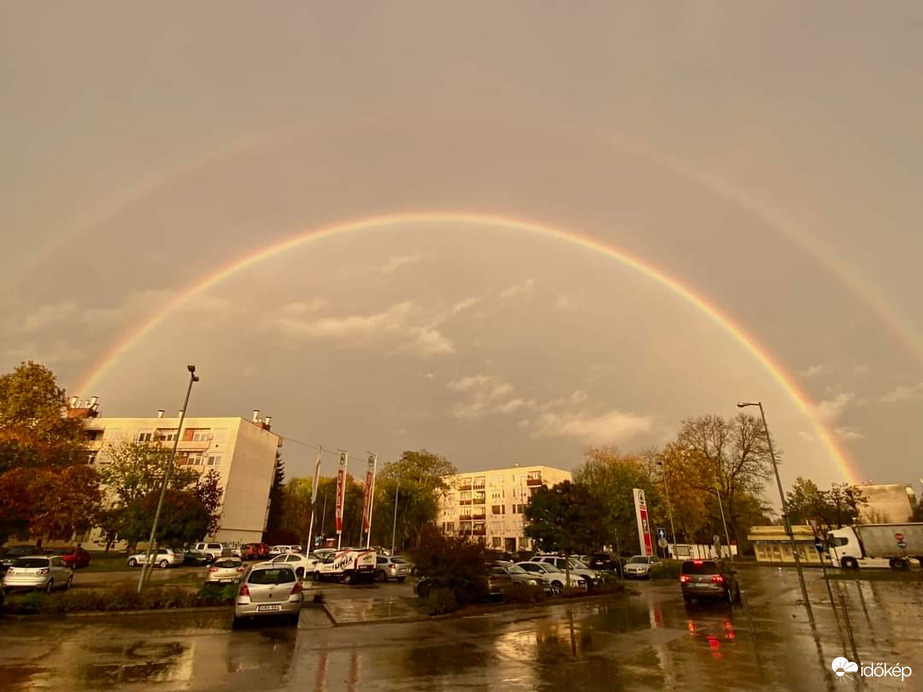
[488,505]
[242,451]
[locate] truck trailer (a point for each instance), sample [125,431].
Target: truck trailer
[852,547]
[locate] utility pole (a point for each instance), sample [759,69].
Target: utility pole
[147,566]
[727,536]
[785,517]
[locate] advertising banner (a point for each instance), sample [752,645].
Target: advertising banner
[341,490]
[369,495]
[644,530]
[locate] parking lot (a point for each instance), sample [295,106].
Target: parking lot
[647,640]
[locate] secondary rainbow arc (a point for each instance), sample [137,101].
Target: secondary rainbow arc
[801,400]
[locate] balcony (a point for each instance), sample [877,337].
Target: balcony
[479,531]
[191,445]
[464,485]
[531,482]
[464,517]
[480,501]
[464,502]
[479,517]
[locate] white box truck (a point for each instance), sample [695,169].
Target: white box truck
[862,545]
[348,565]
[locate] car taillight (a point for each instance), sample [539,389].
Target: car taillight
[718,579]
[11,571]
[696,562]
[212,569]
[43,571]
[685,578]
[244,590]
[240,569]
[296,589]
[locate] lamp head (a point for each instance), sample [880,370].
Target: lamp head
[190,368]
[744,404]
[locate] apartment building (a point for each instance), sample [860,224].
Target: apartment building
[887,503]
[488,505]
[242,451]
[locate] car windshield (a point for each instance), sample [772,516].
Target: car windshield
[700,567]
[227,563]
[577,564]
[31,562]
[515,569]
[397,561]
[638,560]
[551,568]
[272,576]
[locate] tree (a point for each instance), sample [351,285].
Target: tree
[207,490]
[727,456]
[610,476]
[183,519]
[420,481]
[137,468]
[46,488]
[277,509]
[566,517]
[828,509]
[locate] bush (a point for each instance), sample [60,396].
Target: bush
[440,601]
[523,593]
[452,563]
[669,570]
[216,594]
[121,597]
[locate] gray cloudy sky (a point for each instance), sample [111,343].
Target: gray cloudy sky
[766,156]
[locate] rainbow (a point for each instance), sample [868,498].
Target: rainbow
[801,400]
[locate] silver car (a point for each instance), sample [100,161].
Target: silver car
[521,576]
[640,566]
[163,558]
[302,564]
[39,572]
[391,568]
[225,570]
[555,576]
[269,589]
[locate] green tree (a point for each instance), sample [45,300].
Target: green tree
[207,490]
[567,517]
[277,503]
[421,481]
[827,509]
[137,468]
[610,476]
[184,519]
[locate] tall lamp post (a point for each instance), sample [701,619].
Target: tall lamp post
[666,491]
[785,517]
[146,567]
[396,491]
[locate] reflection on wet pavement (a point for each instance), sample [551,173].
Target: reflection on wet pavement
[650,640]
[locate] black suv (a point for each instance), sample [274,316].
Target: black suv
[700,579]
[603,562]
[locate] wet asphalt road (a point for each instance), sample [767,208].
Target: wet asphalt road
[650,640]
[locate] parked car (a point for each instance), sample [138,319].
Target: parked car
[215,550]
[498,580]
[268,589]
[576,567]
[521,576]
[9,555]
[283,549]
[392,568]
[75,556]
[641,566]
[556,576]
[45,572]
[225,570]
[195,558]
[302,564]
[254,551]
[709,579]
[604,562]
[163,558]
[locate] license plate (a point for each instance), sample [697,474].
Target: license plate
[702,586]
[268,608]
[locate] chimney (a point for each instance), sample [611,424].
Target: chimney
[74,401]
[179,414]
[160,413]
[93,401]
[267,423]
[256,415]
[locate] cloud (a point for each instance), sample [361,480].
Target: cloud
[901,393]
[806,436]
[831,409]
[350,326]
[429,342]
[300,308]
[848,433]
[817,370]
[610,427]
[517,290]
[564,303]
[484,395]
[398,261]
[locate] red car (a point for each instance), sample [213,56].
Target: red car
[254,551]
[75,557]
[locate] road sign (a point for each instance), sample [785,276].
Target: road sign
[661,533]
[901,545]
[662,542]
[818,545]
[716,538]
[898,537]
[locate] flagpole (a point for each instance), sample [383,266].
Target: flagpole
[320,451]
[374,464]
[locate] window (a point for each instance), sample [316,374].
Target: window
[213,460]
[197,435]
[145,436]
[166,435]
[94,435]
[495,509]
[479,483]
[91,457]
[450,526]
[496,541]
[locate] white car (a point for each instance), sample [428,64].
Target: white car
[302,564]
[641,566]
[576,567]
[213,551]
[163,558]
[554,575]
[225,570]
[284,549]
[39,572]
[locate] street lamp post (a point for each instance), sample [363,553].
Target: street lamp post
[193,378]
[785,517]
[727,536]
[394,524]
[666,491]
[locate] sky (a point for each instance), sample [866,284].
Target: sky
[561,225]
